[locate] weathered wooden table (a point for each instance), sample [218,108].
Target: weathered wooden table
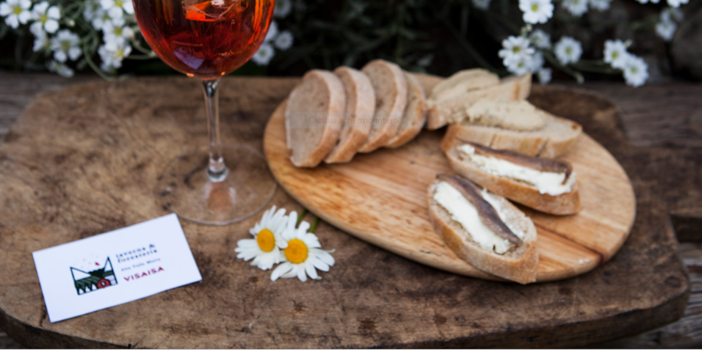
[660,123]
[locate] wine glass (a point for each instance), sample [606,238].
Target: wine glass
[219,183]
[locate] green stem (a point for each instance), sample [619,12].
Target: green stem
[551,59]
[92,64]
[299,218]
[314,224]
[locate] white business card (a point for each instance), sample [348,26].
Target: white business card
[115,267]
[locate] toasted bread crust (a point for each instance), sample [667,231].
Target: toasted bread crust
[299,112]
[415,114]
[562,204]
[390,87]
[520,266]
[510,88]
[360,106]
[543,143]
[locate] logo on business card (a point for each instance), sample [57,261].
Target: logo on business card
[90,281]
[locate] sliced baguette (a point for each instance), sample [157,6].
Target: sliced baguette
[360,106]
[553,140]
[390,86]
[313,117]
[415,114]
[454,110]
[513,189]
[518,264]
[462,82]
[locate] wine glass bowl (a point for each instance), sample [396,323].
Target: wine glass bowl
[218,183]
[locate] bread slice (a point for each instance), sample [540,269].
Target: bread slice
[553,140]
[462,82]
[415,114]
[360,107]
[390,86]
[454,110]
[517,264]
[313,117]
[514,189]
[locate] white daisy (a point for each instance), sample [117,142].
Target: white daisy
[615,53]
[284,40]
[536,11]
[302,254]
[666,29]
[481,4]
[112,54]
[576,7]
[112,32]
[264,248]
[17,12]
[66,45]
[544,75]
[540,39]
[518,65]
[45,18]
[125,5]
[264,54]
[60,68]
[600,5]
[282,8]
[41,41]
[272,32]
[514,47]
[568,50]
[676,3]
[635,71]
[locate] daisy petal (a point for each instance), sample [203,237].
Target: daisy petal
[309,268]
[319,264]
[280,271]
[325,257]
[301,273]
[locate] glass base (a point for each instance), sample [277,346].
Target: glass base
[185,188]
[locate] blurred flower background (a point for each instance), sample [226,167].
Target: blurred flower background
[636,41]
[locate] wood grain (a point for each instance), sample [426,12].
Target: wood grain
[66,173]
[380,197]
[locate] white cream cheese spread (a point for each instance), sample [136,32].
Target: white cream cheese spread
[545,182]
[463,212]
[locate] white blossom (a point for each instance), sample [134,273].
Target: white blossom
[91,9]
[600,5]
[666,29]
[102,17]
[676,3]
[284,40]
[515,47]
[112,32]
[264,54]
[125,5]
[282,8]
[60,68]
[540,39]
[568,50]
[518,64]
[113,53]
[45,18]
[635,71]
[537,62]
[646,1]
[536,11]
[576,7]
[272,32]
[482,4]
[17,12]
[615,53]
[65,45]
[41,41]
[544,75]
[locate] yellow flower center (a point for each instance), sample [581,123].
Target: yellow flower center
[43,18]
[516,49]
[615,55]
[535,7]
[119,3]
[265,240]
[296,252]
[16,9]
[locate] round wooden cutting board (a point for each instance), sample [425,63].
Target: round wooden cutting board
[380,198]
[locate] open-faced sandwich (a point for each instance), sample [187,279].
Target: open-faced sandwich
[484,229]
[546,185]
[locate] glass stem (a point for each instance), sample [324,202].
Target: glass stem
[216,170]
